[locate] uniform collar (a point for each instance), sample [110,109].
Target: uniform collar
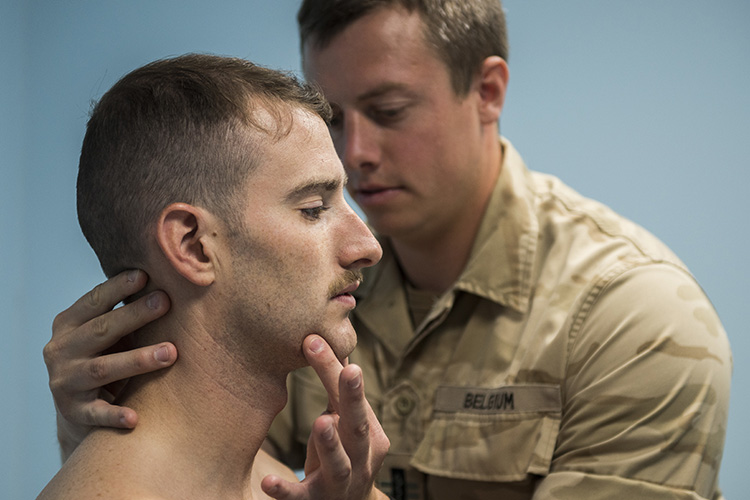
[501,261]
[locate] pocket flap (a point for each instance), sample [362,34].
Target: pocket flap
[497,434]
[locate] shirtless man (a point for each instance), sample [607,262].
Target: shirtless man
[219,179]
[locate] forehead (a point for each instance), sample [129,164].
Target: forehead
[303,156]
[387,41]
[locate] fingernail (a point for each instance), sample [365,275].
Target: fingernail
[328,433]
[153,301]
[162,354]
[316,346]
[356,381]
[132,275]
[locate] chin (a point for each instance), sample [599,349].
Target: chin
[343,340]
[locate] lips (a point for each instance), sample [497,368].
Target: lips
[344,296]
[373,195]
[348,290]
[368,189]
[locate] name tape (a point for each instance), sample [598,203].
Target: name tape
[506,399]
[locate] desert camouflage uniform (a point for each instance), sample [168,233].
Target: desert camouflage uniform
[575,358]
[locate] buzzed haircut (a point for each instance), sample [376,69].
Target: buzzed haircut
[185,129]
[463,33]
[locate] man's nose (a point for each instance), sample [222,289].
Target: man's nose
[360,248]
[359,143]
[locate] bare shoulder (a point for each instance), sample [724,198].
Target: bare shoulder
[74,487]
[93,471]
[68,485]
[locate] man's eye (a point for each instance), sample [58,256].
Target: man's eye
[314,213]
[388,114]
[391,112]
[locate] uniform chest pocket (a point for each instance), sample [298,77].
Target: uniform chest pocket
[497,434]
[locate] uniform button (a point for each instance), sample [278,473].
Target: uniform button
[404,405]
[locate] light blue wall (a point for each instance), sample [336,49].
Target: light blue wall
[642,104]
[17,396]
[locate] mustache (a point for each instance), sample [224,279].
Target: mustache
[348,278]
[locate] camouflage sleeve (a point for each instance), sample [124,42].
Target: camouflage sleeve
[646,394]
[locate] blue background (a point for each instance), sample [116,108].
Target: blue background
[643,105]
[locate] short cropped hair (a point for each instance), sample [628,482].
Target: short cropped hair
[185,129]
[463,33]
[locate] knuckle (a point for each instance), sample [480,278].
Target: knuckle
[362,431]
[58,324]
[330,446]
[56,385]
[383,442]
[89,415]
[342,473]
[94,297]
[49,352]
[98,370]
[381,436]
[142,361]
[99,327]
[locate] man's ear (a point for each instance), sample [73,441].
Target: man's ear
[492,83]
[186,237]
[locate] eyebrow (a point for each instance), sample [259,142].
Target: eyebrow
[314,187]
[382,89]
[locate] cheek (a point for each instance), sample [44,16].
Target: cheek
[300,265]
[294,256]
[419,153]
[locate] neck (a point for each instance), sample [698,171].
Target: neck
[434,262]
[202,421]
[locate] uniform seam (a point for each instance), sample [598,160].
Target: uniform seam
[574,208]
[581,315]
[595,291]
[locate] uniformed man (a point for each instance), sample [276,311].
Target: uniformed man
[519,341]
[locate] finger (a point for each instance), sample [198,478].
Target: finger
[102,298]
[105,370]
[355,415]
[335,466]
[312,462]
[325,363]
[102,332]
[99,413]
[280,489]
